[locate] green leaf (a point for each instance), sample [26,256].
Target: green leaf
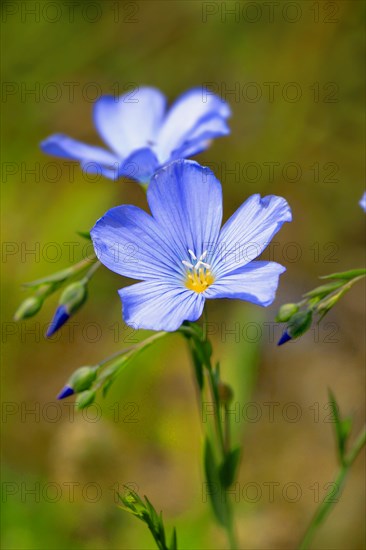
[324,290]
[214,486]
[84,235]
[174,541]
[198,367]
[342,427]
[346,275]
[58,277]
[146,512]
[229,467]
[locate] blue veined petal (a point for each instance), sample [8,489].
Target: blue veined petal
[92,167]
[199,139]
[129,241]
[156,305]
[249,231]
[139,166]
[61,145]
[184,117]
[131,121]
[256,282]
[186,201]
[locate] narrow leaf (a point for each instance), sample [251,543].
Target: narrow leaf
[214,487]
[229,467]
[346,275]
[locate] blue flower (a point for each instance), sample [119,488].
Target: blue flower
[362,202]
[142,136]
[181,254]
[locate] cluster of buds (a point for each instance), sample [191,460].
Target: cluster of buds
[72,298]
[81,382]
[318,302]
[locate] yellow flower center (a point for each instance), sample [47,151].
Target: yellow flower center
[198,275]
[199,280]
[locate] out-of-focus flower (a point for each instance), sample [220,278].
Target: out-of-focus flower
[181,254]
[142,137]
[362,202]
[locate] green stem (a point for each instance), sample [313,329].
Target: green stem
[116,361]
[91,271]
[221,441]
[341,290]
[331,498]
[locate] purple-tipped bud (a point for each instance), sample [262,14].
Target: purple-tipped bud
[284,338]
[59,319]
[65,392]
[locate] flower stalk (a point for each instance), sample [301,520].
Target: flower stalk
[220,460]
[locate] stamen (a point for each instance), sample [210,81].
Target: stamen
[198,275]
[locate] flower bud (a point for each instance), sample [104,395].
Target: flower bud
[79,381]
[300,323]
[73,296]
[59,319]
[65,392]
[85,399]
[28,308]
[226,394]
[284,338]
[71,300]
[82,378]
[286,311]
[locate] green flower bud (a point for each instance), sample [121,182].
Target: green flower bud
[286,311]
[226,394]
[300,322]
[73,296]
[28,308]
[82,379]
[85,399]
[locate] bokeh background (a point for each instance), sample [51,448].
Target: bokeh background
[293,74]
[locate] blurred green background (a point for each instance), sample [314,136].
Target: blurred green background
[293,74]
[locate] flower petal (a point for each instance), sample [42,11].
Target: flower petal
[140,165]
[249,231]
[131,121]
[128,241]
[256,282]
[159,306]
[199,139]
[185,115]
[61,145]
[186,201]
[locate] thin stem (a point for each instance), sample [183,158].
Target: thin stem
[340,290]
[332,497]
[217,416]
[92,270]
[222,442]
[115,361]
